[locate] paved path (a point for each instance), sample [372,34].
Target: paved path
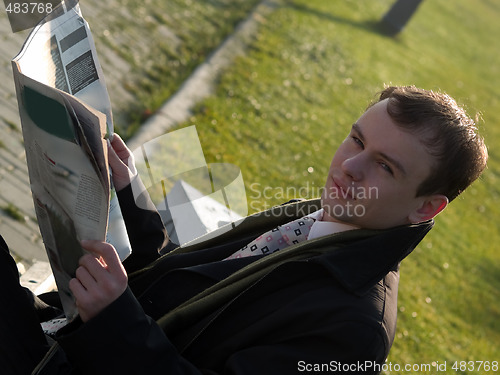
[21,234]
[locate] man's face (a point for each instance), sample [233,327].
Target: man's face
[375,173]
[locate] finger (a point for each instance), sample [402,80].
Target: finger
[85,278]
[121,159]
[117,141]
[77,288]
[114,159]
[123,152]
[107,252]
[91,270]
[119,145]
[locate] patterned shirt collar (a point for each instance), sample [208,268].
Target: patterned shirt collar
[322,228]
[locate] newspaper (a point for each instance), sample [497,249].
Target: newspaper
[66,119]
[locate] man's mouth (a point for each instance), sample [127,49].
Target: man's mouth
[346,192]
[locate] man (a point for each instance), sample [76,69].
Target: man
[327,303]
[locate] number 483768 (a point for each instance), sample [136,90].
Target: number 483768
[29,8]
[484,366]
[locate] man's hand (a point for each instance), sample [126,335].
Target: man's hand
[121,161]
[99,280]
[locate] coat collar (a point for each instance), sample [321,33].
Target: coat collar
[358,259]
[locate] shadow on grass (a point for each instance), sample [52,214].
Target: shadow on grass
[372,26]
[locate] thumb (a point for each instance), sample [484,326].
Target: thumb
[117,165]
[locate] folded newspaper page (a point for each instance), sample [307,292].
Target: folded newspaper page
[60,53]
[66,117]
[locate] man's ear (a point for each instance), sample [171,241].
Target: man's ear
[430,206]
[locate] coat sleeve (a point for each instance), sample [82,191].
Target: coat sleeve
[22,342]
[145,229]
[122,340]
[348,351]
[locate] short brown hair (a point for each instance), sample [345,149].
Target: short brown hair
[446,130]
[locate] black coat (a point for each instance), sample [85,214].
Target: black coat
[325,304]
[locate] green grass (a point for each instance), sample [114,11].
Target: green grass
[11,125]
[280,112]
[13,211]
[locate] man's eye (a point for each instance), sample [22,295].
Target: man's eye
[386,168]
[359,142]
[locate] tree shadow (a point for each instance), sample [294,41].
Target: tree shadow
[372,25]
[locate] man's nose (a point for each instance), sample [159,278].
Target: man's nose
[354,167]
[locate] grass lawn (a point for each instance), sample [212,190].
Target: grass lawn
[280,112]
